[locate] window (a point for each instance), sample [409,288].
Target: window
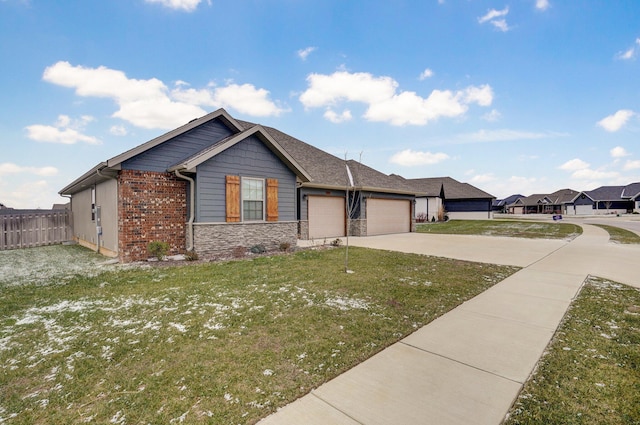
[252,199]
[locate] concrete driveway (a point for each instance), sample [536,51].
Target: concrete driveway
[483,249]
[468,366]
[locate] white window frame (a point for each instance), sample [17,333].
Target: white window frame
[263,199]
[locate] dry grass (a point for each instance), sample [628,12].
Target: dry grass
[219,343]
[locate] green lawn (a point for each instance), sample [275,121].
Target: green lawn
[220,343]
[619,235]
[508,228]
[590,373]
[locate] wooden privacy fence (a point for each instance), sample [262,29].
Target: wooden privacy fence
[26,230]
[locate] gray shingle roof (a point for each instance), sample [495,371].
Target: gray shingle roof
[327,170]
[606,193]
[453,189]
[631,191]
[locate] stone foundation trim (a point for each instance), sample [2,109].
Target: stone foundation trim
[224,238]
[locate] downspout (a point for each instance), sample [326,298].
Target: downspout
[191,207]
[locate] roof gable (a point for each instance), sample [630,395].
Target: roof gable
[190,164]
[218,114]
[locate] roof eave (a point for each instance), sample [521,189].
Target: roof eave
[83,180]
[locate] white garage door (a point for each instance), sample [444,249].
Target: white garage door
[326,216]
[386,216]
[584,209]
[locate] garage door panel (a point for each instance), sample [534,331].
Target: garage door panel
[584,209]
[386,216]
[326,216]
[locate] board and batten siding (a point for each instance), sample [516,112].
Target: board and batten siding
[161,157]
[248,158]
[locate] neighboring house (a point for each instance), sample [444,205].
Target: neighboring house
[559,202]
[632,193]
[501,205]
[461,201]
[609,200]
[4,207]
[218,183]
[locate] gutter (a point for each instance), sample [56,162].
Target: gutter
[191,206]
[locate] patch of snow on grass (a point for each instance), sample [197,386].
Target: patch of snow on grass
[49,265]
[342,303]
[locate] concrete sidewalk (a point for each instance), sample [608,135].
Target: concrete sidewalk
[468,366]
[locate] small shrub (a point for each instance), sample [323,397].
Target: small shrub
[284,246]
[336,242]
[239,252]
[191,256]
[158,249]
[421,217]
[258,249]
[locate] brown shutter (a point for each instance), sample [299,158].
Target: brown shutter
[272,200]
[233,199]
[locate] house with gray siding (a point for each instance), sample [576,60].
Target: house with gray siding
[217,183]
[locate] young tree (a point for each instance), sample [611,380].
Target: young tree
[352,196]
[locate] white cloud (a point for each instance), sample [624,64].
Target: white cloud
[574,165]
[335,118]
[246,99]
[496,18]
[618,152]
[384,103]
[118,130]
[493,14]
[427,73]
[632,165]
[411,158]
[34,194]
[304,53]
[500,24]
[492,116]
[615,122]
[542,4]
[7,168]
[184,5]
[589,174]
[342,85]
[65,131]
[502,135]
[149,103]
[631,52]
[483,178]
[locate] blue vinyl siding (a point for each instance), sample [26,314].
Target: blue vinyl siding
[179,148]
[468,205]
[248,158]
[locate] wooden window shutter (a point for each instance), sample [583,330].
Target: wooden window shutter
[233,199]
[272,200]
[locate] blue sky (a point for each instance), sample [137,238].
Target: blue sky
[526,96]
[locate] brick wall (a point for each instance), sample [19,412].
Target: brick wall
[152,206]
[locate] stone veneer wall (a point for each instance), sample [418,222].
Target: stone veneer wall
[152,206]
[358,227]
[223,238]
[303,229]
